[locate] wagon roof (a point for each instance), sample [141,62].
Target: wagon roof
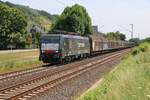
[98,37]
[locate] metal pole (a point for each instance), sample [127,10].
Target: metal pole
[132,30]
[139,35]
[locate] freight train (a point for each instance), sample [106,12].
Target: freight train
[60,47]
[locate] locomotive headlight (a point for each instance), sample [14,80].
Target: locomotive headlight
[43,51]
[57,51]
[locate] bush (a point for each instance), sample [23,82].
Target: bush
[135,51]
[141,48]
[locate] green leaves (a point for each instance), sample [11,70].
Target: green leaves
[116,35]
[12,26]
[74,19]
[146,40]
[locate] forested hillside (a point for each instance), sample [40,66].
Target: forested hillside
[21,26]
[41,20]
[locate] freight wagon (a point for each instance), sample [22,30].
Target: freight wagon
[100,44]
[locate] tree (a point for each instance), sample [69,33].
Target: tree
[116,35]
[135,40]
[122,37]
[12,26]
[146,40]
[112,35]
[74,19]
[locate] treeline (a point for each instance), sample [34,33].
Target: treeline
[21,26]
[146,40]
[137,41]
[116,36]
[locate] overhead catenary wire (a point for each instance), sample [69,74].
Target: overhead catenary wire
[62,3]
[131,31]
[125,28]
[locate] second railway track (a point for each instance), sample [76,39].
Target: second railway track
[39,84]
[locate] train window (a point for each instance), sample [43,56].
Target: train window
[51,39]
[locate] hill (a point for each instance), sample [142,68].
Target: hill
[38,20]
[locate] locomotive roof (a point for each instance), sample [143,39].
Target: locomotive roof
[66,36]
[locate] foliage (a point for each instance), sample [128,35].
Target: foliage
[146,40]
[46,14]
[141,48]
[135,40]
[39,21]
[74,19]
[116,35]
[12,27]
[129,81]
[144,47]
[135,51]
[122,37]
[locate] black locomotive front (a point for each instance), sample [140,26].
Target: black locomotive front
[50,51]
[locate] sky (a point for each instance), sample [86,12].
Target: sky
[109,15]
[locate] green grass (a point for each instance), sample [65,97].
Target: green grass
[4,57]
[18,61]
[129,81]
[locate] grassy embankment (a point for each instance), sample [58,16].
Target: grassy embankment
[129,81]
[14,61]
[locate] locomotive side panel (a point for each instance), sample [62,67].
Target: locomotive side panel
[74,46]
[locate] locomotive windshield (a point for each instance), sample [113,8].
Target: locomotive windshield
[50,39]
[50,43]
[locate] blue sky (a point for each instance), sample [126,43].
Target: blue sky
[115,15]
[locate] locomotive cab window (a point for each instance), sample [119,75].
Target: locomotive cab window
[51,39]
[50,43]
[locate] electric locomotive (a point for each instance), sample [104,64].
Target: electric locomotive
[58,48]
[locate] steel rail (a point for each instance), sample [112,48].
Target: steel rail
[85,67]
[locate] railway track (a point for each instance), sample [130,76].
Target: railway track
[14,77]
[40,84]
[17,73]
[11,79]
